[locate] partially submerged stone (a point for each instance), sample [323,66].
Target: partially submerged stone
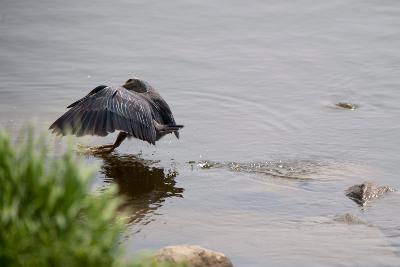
[346,105]
[193,256]
[348,218]
[362,193]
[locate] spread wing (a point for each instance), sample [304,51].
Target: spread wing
[106,110]
[160,109]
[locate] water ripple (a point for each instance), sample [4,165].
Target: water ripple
[290,169]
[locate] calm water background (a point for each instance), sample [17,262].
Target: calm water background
[254,83]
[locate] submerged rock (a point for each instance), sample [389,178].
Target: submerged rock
[346,105]
[348,218]
[362,193]
[193,256]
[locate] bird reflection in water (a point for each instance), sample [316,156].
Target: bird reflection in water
[144,186]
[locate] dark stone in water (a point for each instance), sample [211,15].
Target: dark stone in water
[346,105]
[362,193]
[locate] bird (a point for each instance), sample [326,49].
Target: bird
[135,109]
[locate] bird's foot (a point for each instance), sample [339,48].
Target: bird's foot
[99,149]
[92,150]
[104,149]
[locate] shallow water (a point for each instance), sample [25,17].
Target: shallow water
[255,85]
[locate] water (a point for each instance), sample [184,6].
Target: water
[255,85]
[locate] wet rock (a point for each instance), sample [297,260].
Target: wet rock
[193,256]
[362,193]
[348,218]
[346,105]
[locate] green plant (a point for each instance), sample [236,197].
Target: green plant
[47,215]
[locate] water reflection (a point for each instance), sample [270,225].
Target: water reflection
[144,185]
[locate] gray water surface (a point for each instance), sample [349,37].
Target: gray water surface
[255,84]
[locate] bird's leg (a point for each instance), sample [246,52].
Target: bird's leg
[110,148]
[121,137]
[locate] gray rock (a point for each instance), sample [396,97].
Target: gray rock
[193,256]
[348,218]
[362,193]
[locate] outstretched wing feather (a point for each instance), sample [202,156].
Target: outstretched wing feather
[106,111]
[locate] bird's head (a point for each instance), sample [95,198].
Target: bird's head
[135,84]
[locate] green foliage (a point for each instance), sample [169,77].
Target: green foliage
[47,215]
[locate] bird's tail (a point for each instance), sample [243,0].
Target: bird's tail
[172,127]
[169,128]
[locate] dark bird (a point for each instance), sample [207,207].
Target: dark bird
[135,109]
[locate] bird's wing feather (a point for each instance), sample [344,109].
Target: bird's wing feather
[159,104]
[94,91]
[160,109]
[106,111]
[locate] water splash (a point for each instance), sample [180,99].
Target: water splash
[295,169]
